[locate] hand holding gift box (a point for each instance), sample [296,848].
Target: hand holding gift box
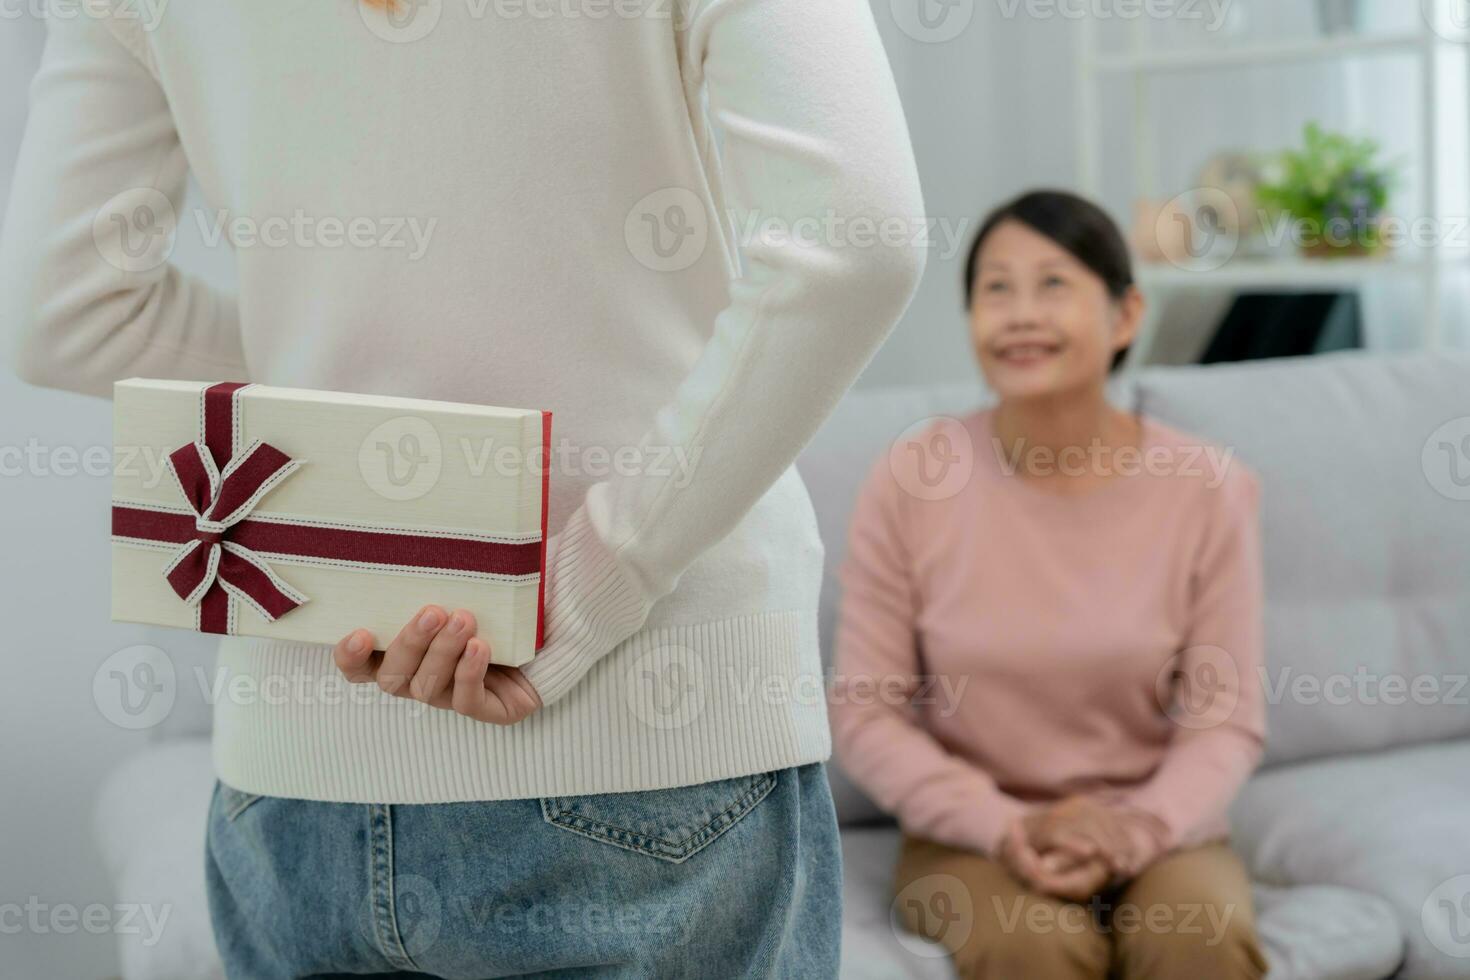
[303,515]
[438,659]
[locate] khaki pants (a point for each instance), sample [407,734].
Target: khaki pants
[1187,915]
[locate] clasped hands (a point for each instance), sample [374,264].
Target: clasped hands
[1080,845]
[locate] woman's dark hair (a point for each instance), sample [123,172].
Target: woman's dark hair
[1080,227]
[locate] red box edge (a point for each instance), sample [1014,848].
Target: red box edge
[545,506]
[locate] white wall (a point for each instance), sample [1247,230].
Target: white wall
[58,739]
[45,721]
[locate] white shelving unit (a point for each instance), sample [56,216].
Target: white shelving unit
[1143,65]
[1283,274]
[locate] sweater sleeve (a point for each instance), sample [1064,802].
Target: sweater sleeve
[87,296]
[880,742]
[1218,703]
[812,126]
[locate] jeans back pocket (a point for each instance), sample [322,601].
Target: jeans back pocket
[671,824]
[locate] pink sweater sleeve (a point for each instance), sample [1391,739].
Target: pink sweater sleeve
[882,746]
[1218,704]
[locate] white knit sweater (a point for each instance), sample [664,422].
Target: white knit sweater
[519,204]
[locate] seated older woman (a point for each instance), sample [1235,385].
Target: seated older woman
[1086,584]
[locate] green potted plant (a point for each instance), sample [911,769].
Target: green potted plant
[1332,191]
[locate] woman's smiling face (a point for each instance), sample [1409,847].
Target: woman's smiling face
[1041,321]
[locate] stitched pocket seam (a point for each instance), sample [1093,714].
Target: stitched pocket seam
[673,851]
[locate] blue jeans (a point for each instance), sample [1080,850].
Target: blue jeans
[735,878]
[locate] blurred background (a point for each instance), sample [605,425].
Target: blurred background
[1230,138]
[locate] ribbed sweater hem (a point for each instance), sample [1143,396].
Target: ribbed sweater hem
[670,706]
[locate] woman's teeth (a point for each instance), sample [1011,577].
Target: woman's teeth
[1027,353]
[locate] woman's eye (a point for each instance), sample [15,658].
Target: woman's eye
[995,287]
[1054,282]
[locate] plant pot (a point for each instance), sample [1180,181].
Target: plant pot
[1329,250]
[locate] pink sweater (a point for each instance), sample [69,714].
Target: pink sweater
[1002,645]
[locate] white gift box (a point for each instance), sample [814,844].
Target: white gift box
[302,515]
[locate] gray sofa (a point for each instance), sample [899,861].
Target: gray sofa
[1357,828]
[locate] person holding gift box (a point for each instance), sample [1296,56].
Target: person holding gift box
[1049,641]
[623,804]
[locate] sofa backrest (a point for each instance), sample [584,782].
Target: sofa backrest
[1365,467]
[1365,511]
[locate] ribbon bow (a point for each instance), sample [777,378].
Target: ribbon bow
[221,499]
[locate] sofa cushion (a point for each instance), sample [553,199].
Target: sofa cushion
[1395,822]
[1309,933]
[1365,468]
[151,820]
[1320,931]
[873,948]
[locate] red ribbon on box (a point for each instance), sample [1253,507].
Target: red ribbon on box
[221,546]
[221,499]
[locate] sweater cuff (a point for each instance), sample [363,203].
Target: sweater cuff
[996,820]
[592,605]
